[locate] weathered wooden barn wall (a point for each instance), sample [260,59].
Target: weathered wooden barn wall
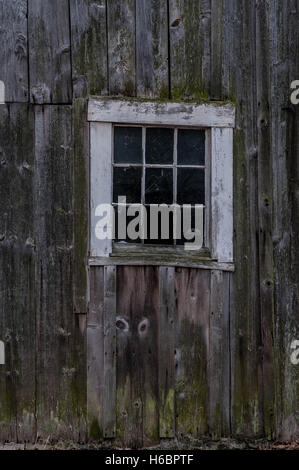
[231,333]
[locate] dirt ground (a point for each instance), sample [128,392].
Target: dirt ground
[223,444]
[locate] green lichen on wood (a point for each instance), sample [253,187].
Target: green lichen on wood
[94,430]
[167,413]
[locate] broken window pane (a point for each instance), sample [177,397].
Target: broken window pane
[158,185]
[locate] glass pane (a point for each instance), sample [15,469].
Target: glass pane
[191,186]
[127,145]
[159,186]
[127,182]
[191,147]
[159,145]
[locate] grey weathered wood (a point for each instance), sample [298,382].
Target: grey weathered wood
[162,113]
[80,138]
[166,259]
[265,217]
[239,45]
[152,48]
[17,273]
[219,356]
[109,414]
[95,355]
[14,49]
[137,356]
[166,352]
[284,143]
[89,47]
[219,53]
[190,48]
[121,47]
[191,351]
[60,347]
[50,58]
[216,48]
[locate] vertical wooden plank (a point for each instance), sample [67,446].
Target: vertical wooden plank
[216,48]
[109,415]
[284,66]
[17,279]
[80,139]
[13,52]
[49,59]
[265,215]
[238,25]
[152,48]
[89,47]
[192,351]
[222,194]
[166,351]
[137,356]
[121,47]
[219,356]
[95,355]
[100,182]
[60,348]
[190,48]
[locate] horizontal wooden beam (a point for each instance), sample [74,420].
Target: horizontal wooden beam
[161,113]
[159,261]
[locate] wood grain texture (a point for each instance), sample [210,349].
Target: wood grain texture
[161,113]
[50,58]
[109,411]
[60,345]
[95,355]
[89,47]
[14,50]
[80,142]
[219,367]
[265,217]
[152,48]
[190,48]
[137,355]
[17,273]
[238,22]
[167,318]
[121,47]
[284,65]
[192,351]
[243,51]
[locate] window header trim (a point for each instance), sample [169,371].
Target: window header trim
[107,109]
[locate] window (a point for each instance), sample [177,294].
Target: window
[162,153]
[159,165]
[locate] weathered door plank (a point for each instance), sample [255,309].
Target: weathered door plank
[166,351]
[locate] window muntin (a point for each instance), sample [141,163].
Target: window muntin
[161,165]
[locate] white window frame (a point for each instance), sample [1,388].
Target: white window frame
[219,119]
